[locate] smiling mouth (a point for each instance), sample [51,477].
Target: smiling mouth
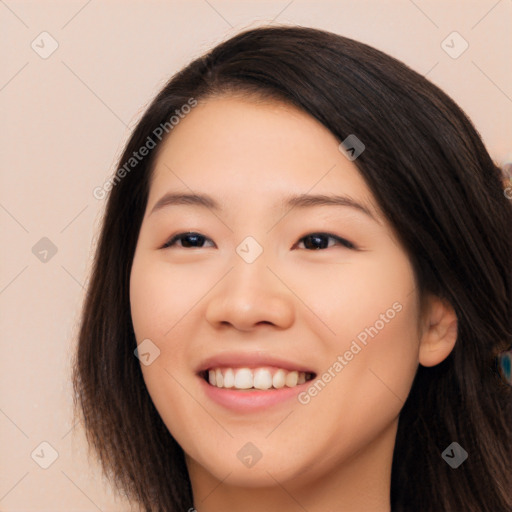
[255,379]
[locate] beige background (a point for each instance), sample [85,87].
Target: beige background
[65,119]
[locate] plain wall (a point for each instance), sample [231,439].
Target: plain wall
[64,121]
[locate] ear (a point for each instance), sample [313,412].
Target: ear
[439,332]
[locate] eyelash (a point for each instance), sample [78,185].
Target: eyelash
[341,241]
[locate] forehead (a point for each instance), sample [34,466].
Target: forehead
[239,148]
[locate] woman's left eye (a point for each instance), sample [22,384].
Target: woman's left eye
[317,241]
[313,241]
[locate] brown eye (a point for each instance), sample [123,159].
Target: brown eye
[316,241]
[189,239]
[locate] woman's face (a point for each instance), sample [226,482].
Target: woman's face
[266,292]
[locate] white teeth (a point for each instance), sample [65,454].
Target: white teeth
[292,379]
[262,379]
[279,379]
[229,378]
[243,379]
[257,378]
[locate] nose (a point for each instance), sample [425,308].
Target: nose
[250,295]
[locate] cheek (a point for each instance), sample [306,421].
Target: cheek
[371,309]
[159,297]
[363,387]
[388,359]
[346,298]
[159,303]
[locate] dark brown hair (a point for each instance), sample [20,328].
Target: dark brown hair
[431,175]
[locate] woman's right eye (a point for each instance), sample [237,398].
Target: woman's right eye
[189,239]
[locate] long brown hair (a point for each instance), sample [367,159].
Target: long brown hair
[431,175]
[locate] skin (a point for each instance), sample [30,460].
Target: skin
[333,453]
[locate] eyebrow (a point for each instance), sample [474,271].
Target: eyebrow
[294,201]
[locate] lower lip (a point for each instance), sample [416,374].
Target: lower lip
[246,401]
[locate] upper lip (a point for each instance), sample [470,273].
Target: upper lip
[250,360]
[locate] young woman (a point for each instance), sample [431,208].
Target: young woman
[301,291]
